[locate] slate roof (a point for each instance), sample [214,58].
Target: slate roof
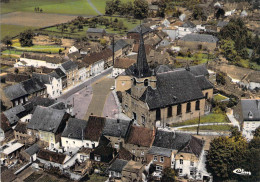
[251,106]
[74,56]
[173,87]
[68,65]
[33,149]
[188,24]
[123,63]
[203,82]
[162,69]
[160,151]
[15,91]
[144,29]
[198,70]
[96,30]
[200,38]
[140,136]
[75,129]
[120,44]
[60,73]
[46,119]
[46,79]
[124,154]
[117,165]
[51,156]
[171,140]
[194,146]
[21,127]
[5,125]
[116,127]
[13,114]
[33,85]
[102,150]
[94,128]
[38,101]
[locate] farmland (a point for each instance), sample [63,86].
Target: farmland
[12,30]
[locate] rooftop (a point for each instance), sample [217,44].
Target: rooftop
[140,136]
[94,128]
[68,65]
[251,109]
[75,129]
[200,38]
[123,63]
[117,165]
[116,127]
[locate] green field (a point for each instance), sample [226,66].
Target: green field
[77,7]
[211,118]
[12,30]
[210,128]
[219,97]
[101,4]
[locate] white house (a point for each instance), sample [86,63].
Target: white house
[251,116]
[73,49]
[54,86]
[83,75]
[97,67]
[186,28]
[171,31]
[121,64]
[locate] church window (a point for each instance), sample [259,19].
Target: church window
[179,109]
[169,111]
[197,105]
[188,107]
[158,114]
[207,95]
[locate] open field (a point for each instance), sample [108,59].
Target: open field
[75,7]
[34,19]
[12,30]
[211,118]
[101,4]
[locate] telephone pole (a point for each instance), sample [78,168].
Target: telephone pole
[198,125]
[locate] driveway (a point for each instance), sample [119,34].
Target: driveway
[101,90]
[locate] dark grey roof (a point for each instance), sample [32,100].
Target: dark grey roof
[144,29]
[59,106]
[75,129]
[162,69]
[251,109]
[46,119]
[116,127]
[117,165]
[68,65]
[96,30]
[160,151]
[194,146]
[12,114]
[200,38]
[32,149]
[33,85]
[120,44]
[188,24]
[173,87]
[198,70]
[141,68]
[15,91]
[203,82]
[171,140]
[46,79]
[222,23]
[60,73]
[38,101]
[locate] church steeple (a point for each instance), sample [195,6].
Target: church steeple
[142,67]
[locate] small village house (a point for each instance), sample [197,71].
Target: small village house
[134,33]
[71,70]
[116,168]
[133,171]
[121,64]
[95,33]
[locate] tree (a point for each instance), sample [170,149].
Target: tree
[103,42]
[228,49]
[72,29]
[7,41]
[140,9]
[168,175]
[198,13]
[26,38]
[220,78]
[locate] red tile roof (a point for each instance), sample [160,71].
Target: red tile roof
[124,63]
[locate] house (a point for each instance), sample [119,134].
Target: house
[47,125]
[5,127]
[153,41]
[134,33]
[73,135]
[186,29]
[20,132]
[102,154]
[121,48]
[116,131]
[14,114]
[10,151]
[133,171]
[70,68]
[30,153]
[168,21]
[121,64]
[163,98]
[59,74]
[251,116]
[116,168]
[198,42]
[75,56]
[20,93]
[53,85]
[138,142]
[95,33]
[39,60]
[74,49]
[94,130]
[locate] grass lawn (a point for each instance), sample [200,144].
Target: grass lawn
[198,58]
[77,7]
[37,48]
[12,30]
[211,128]
[211,118]
[7,52]
[101,4]
[219,97]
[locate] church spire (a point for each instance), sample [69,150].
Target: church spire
[142,65]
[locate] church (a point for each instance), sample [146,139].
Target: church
[161,96]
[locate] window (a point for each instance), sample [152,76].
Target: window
[161,159]
[197,105]
[181,161]
[206,95]
[191,173]
[143,120]
[158,168]
[134,116]
[142,152]
[133,151]
[180,171]
[158,114]
[155,158]
[146,82]
[179,109]
[191,163]
[169,111]
[134,81]
[188,107]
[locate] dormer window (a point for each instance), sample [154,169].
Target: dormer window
[250,115]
